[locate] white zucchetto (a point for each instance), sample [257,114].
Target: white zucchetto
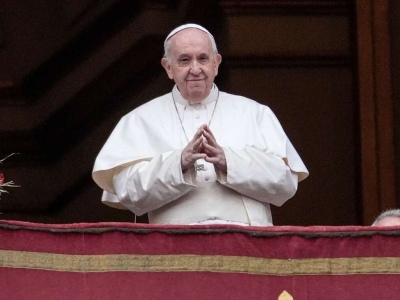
[185,26]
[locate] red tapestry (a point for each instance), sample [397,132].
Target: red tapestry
[141,261]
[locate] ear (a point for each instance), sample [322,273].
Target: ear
[167,67]
[217,62]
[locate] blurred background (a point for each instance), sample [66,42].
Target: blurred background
[69,70]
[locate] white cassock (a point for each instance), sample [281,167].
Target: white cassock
[139,167]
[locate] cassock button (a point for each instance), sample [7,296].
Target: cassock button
[206,178]
[197,116]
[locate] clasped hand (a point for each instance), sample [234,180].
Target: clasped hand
[203,146]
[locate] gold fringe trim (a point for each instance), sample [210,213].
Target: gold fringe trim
[198,263]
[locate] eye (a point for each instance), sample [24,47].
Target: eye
[183,61]
[203,58]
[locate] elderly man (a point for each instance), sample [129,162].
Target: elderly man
[198,155]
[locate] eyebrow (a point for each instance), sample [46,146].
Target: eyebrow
[184,55]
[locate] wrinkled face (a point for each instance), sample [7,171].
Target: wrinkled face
[192,64]
[389,221]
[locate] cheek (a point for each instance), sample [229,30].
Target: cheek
[213,69]
[182,74]
[176,74]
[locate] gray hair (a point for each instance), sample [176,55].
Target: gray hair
[388,213]
[167,42]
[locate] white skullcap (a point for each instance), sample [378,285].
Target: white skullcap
[190,25]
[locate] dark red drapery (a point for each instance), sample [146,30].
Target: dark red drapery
[141,261]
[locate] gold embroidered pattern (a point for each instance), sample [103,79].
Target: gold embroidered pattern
[199,263]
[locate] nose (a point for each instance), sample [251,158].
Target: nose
[195,68]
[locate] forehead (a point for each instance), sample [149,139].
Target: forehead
[191,39]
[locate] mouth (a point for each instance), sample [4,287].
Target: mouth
[197,79]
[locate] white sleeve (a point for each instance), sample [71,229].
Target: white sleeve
[148,185]
[259,175]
